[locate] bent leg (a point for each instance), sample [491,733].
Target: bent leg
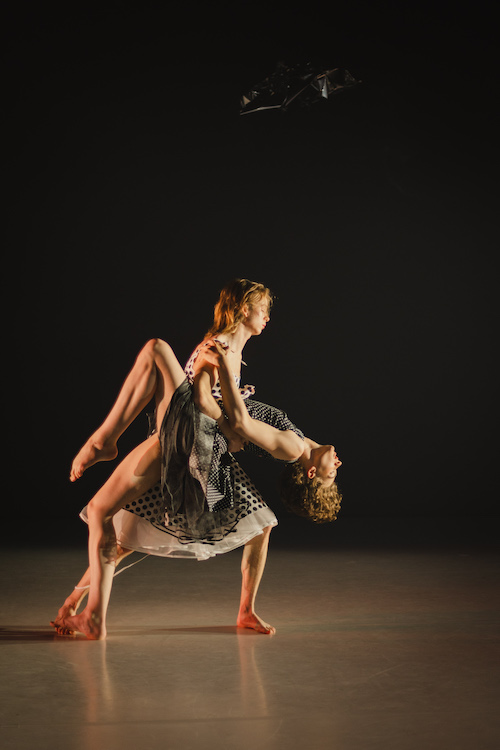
[253,563]
[136,473]
[156,372]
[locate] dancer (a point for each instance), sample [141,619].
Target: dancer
[157,369]
[241,312]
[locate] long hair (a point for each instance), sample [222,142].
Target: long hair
[228,311]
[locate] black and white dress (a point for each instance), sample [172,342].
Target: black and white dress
[204,504]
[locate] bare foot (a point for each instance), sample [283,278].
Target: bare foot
[93,451]
[60,630]
[68,609]
[85,623]
[252,621]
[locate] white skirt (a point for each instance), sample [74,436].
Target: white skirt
[138,534]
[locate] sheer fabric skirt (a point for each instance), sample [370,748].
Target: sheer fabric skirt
[174,518]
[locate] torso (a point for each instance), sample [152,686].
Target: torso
[235,362]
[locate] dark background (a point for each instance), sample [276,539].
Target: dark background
[136,191]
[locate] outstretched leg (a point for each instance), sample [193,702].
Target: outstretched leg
[155,370]
[252,567]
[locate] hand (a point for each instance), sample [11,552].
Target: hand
[236,443]
[207,359]
[221,348]
[212,355]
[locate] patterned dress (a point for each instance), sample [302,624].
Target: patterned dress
[204,504]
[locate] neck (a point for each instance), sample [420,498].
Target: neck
[305,458]
[237,339]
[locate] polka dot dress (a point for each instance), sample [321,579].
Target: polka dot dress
[247,501]
[235,510]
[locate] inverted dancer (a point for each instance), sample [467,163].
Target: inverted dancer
[157,370]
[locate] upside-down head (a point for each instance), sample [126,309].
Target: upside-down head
[309,497]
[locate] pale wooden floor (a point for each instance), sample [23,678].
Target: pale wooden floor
[375,649]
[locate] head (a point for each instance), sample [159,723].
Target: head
[323,463]
[237,301]
[308,495]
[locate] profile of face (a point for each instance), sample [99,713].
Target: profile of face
[257,316]
[325,464]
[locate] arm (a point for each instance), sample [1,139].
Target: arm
[284,445]
[202,391]
[202,387]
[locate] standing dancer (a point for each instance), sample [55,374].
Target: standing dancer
[241,312]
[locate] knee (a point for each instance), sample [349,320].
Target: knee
[158,351]
[150,349]
[158,346]
[153,354]
[96,515]
[151,345]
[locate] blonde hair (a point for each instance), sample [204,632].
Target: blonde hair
[308,497]
[228,311]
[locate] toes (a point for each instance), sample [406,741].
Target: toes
[268,629]
[63,631]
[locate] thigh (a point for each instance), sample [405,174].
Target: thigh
[134,475]
[170,376]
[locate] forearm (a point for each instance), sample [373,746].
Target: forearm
[203,398]
[236,411]
[207,404]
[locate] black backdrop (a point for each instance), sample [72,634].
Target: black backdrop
[136,190]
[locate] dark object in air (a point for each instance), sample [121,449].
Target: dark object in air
[295,84]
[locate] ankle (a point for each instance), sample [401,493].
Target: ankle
[104,439]
[246,609]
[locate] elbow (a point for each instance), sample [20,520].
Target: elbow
[202,401]
[239,423]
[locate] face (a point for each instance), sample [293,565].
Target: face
[258,316]
[326,463]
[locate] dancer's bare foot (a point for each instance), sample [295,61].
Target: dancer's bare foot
[85,623]
[252,621]
[94,450]
[61,630]
[68,609]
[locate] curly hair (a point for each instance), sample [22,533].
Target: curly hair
[228,312]
[308,497]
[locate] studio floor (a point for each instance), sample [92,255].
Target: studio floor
[376,648]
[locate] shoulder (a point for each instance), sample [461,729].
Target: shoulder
[194,355]
[273,416]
